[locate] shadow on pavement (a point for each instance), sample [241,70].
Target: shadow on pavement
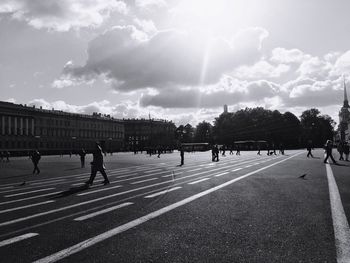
[71,191]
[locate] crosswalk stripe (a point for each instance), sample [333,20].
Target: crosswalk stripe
[82,218]
[237,169]
[30,192]
[25,206]
[17,239]
[194,170]
[163,192]
[101,190]
[217,175]
[29,198]
[147,180]
[198,181]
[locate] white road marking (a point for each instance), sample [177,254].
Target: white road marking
[53,181]
[198,181]
[102,211]
[112,195]
[25,206]
[221,174]
[237,169]
[17,239]
[151,171]
[163,192]
[147,180]
[170,175]
[115,231]
[340,223]
[247,166]
[194,170]
[28,198]
[30,192]
[100,190]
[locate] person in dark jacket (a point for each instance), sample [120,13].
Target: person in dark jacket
[82,154]
[329,147]
[35,159]
[182,155]
[97,166]
[309,148]
[346,151]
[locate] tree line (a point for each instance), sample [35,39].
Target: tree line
[262,124]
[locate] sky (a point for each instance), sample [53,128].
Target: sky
[179,60]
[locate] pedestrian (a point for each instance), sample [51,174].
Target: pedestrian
[213,153]
[217,152]
[82,154]
[309,148]
[35,160]
[329,147]
[97,165]
[238,150]
[159,151]
[182,155]
[1,156]
[258,153]
[340,149]
[231,149]
[346,151]
[223,150]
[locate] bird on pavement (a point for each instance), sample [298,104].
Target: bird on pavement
[24,182]
[302,176]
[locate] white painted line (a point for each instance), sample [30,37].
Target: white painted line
[170,175]
[17,239]
[82,218]
[112,195]
[29,198]
[151,171]
[6,187]
[194,170]
[221,174]
[198,181]
[100,190]
[256,163]
[147,180]
[49,182]
[163,192]
[247,166]
[30,192]
[115,231]
[25,206]
[237,169]
[340,223]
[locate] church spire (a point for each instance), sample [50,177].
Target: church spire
[346,102]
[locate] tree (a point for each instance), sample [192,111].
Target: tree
[316,127]
[203,132]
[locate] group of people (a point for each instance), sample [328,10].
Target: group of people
[342,147]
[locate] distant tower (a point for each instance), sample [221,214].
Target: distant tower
[225,109]
[344,117]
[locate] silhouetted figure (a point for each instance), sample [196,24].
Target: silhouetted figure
[231,149]
[302,176]
[35,159]
[281,148]
[70,154]
[159,152]
[309,148]
[97,166]
[82,155]
[258,153]
[182,155]
[223,150]
[346,151]
[340,149]
[1,156]
[238,150]
[329,147]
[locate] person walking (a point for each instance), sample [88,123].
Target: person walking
[97,166]
[182,155]
[346,151]
[238,150]
[258,153]
[7,155]
[329,147]
[35,159]
[82,154]
[340,149]
[309,148]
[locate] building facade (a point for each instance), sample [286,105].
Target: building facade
[143,134]
[344,118]
[24,128]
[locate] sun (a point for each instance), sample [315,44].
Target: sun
[214,15]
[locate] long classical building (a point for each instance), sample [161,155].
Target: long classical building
[24,128]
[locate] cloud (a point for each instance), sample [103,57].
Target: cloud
[131,59]
[62,15]
[287,56]
[261,70]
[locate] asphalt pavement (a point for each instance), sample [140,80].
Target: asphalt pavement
[247,208]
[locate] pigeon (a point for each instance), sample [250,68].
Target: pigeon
[302,176]
[24,182]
